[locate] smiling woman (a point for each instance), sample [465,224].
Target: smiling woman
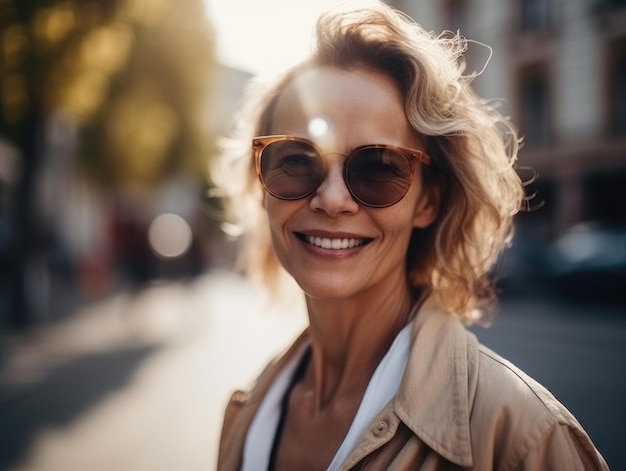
[375,177]
[263,36]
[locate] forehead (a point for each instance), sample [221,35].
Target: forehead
[356,106]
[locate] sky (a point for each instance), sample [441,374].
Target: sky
[262,36]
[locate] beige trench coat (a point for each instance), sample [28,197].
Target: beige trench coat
[459,406]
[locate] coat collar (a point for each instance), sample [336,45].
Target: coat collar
[435,396]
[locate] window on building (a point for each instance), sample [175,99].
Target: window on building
[604,7]
[534,105]
[537,15]
[616,3]
[617,87]
[456,16]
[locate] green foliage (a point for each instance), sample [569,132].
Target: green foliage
[133,76]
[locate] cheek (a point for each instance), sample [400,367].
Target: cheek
[278,214]
[274,210]
[272,214]
[396,225]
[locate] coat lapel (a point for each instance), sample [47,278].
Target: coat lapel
[434,399]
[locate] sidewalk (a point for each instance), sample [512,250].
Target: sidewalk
[137,382]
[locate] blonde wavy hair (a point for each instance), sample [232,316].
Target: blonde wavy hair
[472,145]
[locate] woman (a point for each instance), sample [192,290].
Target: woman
[385,187]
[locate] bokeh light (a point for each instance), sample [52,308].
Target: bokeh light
[169,235]
[318,127]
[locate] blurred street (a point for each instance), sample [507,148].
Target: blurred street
[139,381]
[111,112]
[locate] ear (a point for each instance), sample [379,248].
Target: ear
[427,207]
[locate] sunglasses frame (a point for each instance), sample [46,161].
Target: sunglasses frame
[260,143]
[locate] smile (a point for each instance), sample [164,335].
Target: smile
[334,244]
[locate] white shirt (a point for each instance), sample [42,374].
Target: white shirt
[381,388]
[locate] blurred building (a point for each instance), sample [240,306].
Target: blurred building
[104,140]
[561,68]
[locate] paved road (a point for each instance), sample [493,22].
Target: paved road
[138,382]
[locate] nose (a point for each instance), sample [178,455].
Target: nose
[333,196]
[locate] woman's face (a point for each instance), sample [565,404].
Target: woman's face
[332,245]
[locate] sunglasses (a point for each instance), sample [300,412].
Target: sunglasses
[292,168]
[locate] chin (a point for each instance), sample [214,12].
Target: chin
[328,289]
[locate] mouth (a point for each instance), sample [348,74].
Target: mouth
[333,243]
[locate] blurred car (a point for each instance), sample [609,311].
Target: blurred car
[522,267]
[588,262]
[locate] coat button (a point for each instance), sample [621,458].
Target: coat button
[239,396]
[380,428]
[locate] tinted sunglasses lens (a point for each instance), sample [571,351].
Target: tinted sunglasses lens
[378,176]
[291,169]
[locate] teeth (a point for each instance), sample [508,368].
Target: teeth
[334,244]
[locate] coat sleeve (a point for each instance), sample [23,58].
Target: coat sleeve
[564,447]
[228,441]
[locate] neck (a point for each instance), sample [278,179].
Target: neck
[349,338]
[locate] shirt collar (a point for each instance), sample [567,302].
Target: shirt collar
[436,393]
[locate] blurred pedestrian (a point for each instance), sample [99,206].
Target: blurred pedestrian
[378,180]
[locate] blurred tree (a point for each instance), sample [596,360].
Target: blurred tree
[133,76]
